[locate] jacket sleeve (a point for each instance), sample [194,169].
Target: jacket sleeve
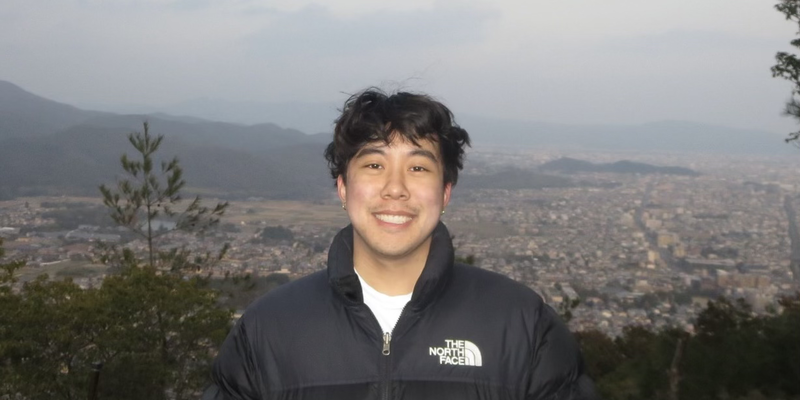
[557,365]
[235,372]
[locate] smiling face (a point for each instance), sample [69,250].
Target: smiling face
[394,194]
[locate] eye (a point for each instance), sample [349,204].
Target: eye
[418,169]
[373,166]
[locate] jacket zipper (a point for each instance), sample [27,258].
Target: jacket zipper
[387,342]
[387,351]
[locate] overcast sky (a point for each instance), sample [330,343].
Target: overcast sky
[567,61]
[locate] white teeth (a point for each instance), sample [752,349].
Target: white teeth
[393,219]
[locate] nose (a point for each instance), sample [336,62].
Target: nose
[395,186]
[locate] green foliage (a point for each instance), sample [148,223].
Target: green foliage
[788,65]
[600,352]
[41,344]
[8,270]
[734,354]
[237,292]
[154,332]
[174,321]
[728,351]
[146,195]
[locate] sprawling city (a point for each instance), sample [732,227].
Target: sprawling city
[634,249]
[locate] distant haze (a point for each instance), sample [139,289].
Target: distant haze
[307,117]
[560,62]
[52,148]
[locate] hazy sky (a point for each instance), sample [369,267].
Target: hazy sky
[568,61]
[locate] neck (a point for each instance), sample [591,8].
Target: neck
[390,276]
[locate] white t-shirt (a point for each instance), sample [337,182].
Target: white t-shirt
[386,308]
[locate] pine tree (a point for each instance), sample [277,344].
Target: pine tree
[145,195]
[154,333]
[171,322]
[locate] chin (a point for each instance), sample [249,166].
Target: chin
[396,249]
[397,252]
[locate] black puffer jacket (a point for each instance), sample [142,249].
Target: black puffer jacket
[465,334]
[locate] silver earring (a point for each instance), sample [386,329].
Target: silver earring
[442,212]
[344,206]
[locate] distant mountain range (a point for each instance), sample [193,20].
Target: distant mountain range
[50,148]
[656,137]
[661,136]
[304,116]
[47,147]
[571,165]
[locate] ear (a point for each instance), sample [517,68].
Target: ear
[447,188]
[341,189]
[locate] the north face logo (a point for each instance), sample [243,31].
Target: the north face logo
[457,352]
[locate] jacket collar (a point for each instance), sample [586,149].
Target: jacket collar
[432,281]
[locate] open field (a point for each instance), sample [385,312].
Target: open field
[37,201]
[64,269]
[285,213]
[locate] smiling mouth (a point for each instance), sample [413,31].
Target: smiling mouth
[393,219]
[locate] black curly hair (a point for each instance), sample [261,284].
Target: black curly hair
[372,115]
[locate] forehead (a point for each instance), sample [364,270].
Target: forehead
[399,143]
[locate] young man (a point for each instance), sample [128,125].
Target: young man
[394,317]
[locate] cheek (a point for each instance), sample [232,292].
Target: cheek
[431,197]
[358,192]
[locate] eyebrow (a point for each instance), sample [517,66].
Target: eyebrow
[369,150]
[379,150]
[426,154]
